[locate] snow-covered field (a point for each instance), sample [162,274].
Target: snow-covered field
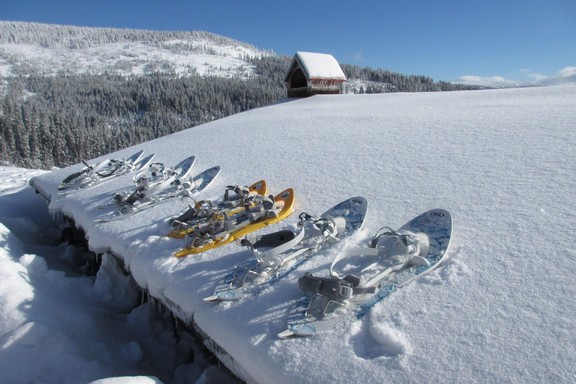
[500,309]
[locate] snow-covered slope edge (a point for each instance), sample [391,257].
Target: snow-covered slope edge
[502,163]
[58,326]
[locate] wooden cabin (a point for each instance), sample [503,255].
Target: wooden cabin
[313,74]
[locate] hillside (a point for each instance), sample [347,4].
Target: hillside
[499,310]
[50,50]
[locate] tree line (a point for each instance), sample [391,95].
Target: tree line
[381,81]
[56,121]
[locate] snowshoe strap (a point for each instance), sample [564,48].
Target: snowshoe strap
[326,226]
[269,240]
[112,166]
[177,225]
[272,262]
[270,256]
[156,169]
[134,197]
[199,240]
[332,287]
[396,250]
[351,252]
[270,253]
[265,202]
[322,229]
[403,242]
[183,184]
[401,250]
[236,193]
[202,208]
[381,232]
[159,187]
[142,182]
[144,190]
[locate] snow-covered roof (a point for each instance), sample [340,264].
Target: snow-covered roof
[319,65]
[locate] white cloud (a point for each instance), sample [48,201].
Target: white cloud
[567,72]
[533,75]
[492,81]
[358,57]
[480,79]
[563,76]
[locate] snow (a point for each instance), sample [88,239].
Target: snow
[320,66]
[500,309]
[58,325]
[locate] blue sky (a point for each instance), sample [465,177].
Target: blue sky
[517,40]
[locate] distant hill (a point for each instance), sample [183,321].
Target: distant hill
[49,50]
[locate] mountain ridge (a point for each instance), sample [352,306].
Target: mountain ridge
[27,33]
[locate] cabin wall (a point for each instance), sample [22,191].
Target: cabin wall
[299,84]
[317,87]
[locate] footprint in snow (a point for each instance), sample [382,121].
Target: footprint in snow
[371,341]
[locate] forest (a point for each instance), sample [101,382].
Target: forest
[57,121]
[54,121]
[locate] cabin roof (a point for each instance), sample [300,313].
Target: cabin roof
[318,66]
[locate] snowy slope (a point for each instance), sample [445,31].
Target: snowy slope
[502,162]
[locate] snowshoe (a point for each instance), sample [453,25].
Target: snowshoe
[393,259]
